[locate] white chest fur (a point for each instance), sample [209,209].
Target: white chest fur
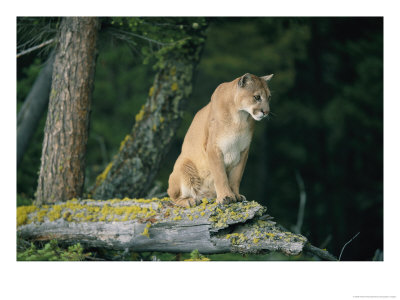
[232,145]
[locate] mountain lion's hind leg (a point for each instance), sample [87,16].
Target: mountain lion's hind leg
[184,184]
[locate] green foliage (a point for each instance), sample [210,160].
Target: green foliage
[272,256]
[28,77]
[52,252]
[196,256]
[22,200]
[32,31]
[159,39]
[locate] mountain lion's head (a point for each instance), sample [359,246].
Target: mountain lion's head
[254,95]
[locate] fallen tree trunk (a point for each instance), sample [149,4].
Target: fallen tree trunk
[157,225]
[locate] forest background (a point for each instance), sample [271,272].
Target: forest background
[327,100]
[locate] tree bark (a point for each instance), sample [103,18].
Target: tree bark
[133,168]
[66,131]
[158,225]
[33,108]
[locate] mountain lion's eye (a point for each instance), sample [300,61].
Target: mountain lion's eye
[257,98]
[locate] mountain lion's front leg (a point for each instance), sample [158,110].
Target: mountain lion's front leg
[217,169]
[235,175]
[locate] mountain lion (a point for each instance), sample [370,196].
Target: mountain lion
[216,145]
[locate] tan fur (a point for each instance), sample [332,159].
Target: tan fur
[216,146]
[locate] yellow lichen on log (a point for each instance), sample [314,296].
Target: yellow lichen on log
[174,87]
[118,210]
[126,139]
[23,212]
[140,114]
[151,91]
[103,175]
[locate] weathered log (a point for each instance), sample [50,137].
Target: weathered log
[158,225]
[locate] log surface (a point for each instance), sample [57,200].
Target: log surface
[158,225]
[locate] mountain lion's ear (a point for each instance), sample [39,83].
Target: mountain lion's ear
[244,80]
[267,77]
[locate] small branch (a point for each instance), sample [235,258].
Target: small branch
[303,199]
[378,256]
[166,24]
[161,195]
[103,148]
[95,258]
[120,33]
[154,191]
[347,243]
[35,48]
[319,252]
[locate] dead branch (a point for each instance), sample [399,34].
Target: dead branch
[303,198]
[323,254]
[341,252]
[35,48]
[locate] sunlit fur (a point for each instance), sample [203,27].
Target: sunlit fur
[216,146]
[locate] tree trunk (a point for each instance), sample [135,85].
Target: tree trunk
[32,109]
[132,170]
[158,225]
[66,131]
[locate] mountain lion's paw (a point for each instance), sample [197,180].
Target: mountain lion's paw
[240,198]
[226,199]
